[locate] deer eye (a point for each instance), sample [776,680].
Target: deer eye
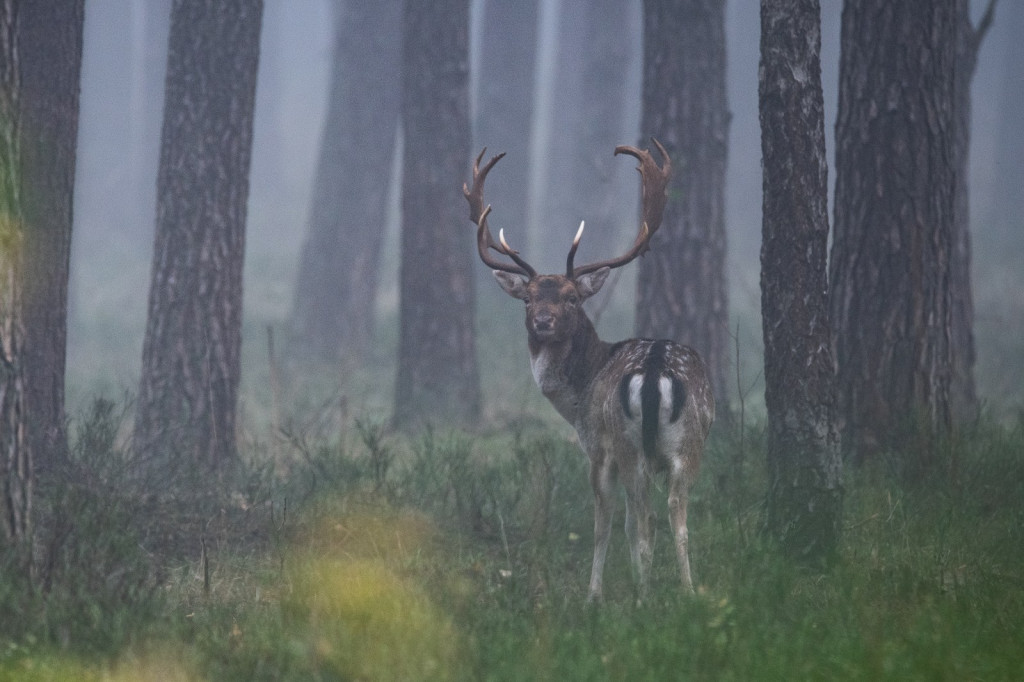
[573,300]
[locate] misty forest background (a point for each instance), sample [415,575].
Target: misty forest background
[357,526]
[123,68]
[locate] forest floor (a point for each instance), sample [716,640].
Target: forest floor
[447,555]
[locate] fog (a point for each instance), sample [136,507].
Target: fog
[119,136]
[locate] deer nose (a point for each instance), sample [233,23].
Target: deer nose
[544,322]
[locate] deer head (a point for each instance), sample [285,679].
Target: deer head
[553,302]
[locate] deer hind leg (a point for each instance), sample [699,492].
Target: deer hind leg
[602,479]
[678,496]
[638,527]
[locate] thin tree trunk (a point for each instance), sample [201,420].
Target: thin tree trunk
[681,286]
[804,496]
[40,62]
[438,379]
[587,119]
[190,360]
[50,35]
[963,392]
[15,455]
[333,313]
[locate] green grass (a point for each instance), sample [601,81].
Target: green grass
[453,556]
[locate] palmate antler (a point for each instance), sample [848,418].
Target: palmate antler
[478,214]
[654,180]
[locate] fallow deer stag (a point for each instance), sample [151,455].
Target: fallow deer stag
[639,406]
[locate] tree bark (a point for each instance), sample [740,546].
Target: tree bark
[804,497]
[190,360]
[40,63]
[50,37]
[16,462]
[681,286]
[332,315]
[438,378]
[893,251]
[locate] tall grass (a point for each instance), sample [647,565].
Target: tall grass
[455,556]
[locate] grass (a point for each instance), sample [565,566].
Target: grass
[456,556]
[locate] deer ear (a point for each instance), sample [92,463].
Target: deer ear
[592,282]
[514,285]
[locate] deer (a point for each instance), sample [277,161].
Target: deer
[640,407]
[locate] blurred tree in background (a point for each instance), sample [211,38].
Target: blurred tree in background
[438,378]
[190,358]
[50,41]
[681,286]
[963,391]
[332,316]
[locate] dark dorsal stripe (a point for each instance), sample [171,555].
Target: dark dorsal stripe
[650,396]
[655,366]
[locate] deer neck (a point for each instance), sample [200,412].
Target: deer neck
[564,369]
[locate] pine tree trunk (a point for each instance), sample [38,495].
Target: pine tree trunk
[40,62]
[333,313]
[15,455]
[50,36]
[589,121]
[681,287]
[963,392]
[505,103]
[190,361]
[804,497]
[895,196]
[438,379]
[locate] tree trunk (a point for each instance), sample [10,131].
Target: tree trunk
[963,392]
[587,119]
[438,378]
[504,108]
[804,496]
[190,358]
[893,252]
[50,38]
[681,287]
[333,313]
[16,462]
[1004,217]
[40,62]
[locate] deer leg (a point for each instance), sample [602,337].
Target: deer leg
[602,481]
[638,528]
[678,496]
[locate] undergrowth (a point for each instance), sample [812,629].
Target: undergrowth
[454,556]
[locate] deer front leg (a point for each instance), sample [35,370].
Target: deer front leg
[678,498]
[603,483]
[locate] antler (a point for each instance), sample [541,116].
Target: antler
[654,179]
[478,214]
